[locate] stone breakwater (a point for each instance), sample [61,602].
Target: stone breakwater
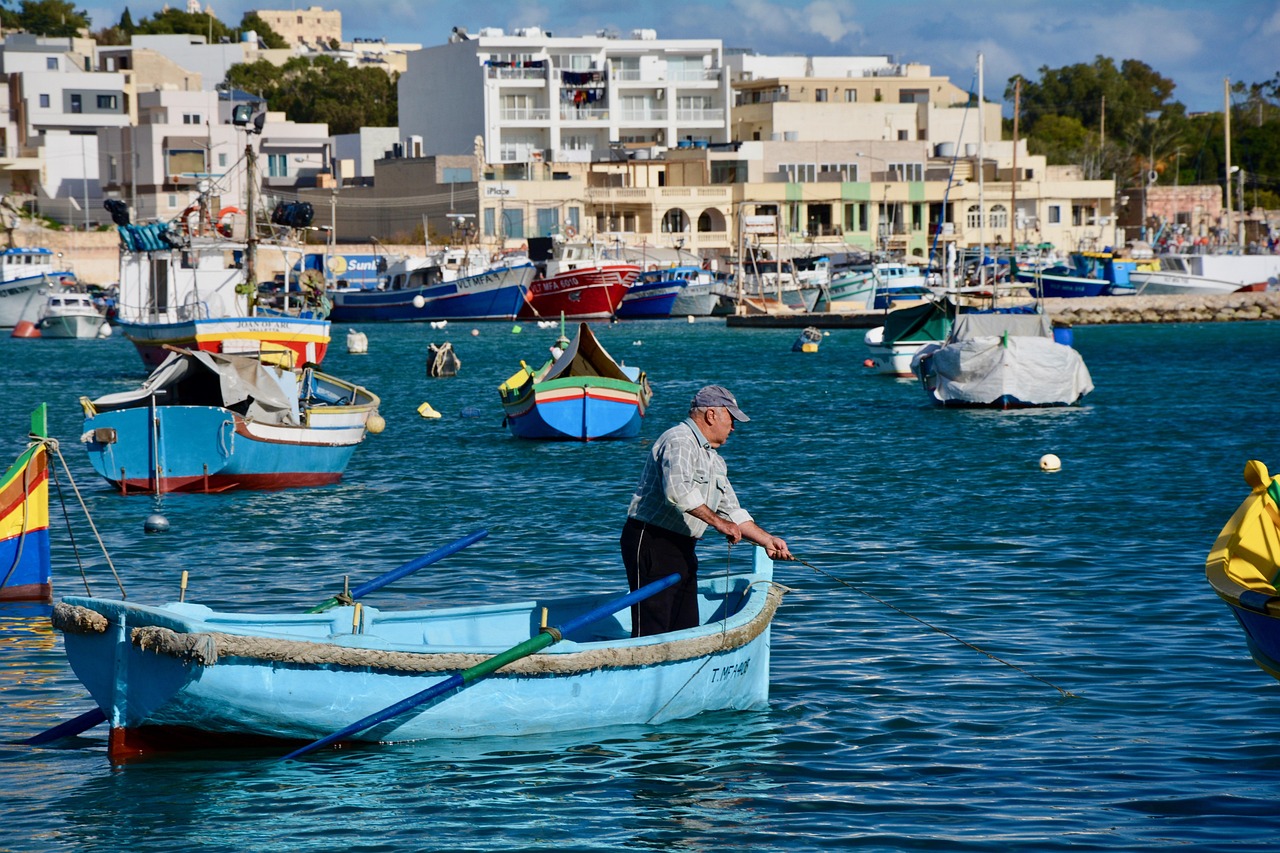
[1181,308]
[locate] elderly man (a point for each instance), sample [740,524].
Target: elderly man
[684,489]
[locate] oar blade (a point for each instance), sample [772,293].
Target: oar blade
[70,728]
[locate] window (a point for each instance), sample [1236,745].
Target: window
[847,171]
[850,96]
[973,217]
[51,63]
[179,161]
[44,101]
[999,216]
[728,171]
[222,160]
[76,106]
[107,102]
[799,173]
[192,118]
[488,222]
[575,215]
[1077,215]
[548,221]
[907,171]
[277,165]
[820,95]
[1055,214]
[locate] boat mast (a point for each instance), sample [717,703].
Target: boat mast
[1226,122]
[982,199]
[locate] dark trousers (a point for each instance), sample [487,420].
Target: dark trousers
[651,553]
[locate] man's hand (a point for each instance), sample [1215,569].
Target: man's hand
[777,549]
[731,531]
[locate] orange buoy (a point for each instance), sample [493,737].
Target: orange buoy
[870,362]
[25,329]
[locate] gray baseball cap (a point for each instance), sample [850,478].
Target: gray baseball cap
[717,395]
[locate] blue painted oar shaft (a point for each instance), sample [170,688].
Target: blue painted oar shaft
[480,670]
[70,728]
[408,568]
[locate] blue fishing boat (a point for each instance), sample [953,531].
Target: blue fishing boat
[579,394]
[1086,274]
[652,296]
[1244,564]
[206,422]
[417,290]
[181,673]
[24,521]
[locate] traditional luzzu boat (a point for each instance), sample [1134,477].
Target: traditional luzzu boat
[1244,564]
[204,422]
[182,674]
[580,394]
[24,521]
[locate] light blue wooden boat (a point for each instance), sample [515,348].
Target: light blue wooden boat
[183,674]
[208,422]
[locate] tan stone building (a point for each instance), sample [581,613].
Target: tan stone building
[310,26]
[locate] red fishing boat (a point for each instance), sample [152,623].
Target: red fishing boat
[582,280]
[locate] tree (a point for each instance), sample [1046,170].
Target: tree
[176,21]
[323,89]
[56,18]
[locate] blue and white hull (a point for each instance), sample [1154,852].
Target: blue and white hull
[496,294]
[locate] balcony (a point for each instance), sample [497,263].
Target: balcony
[568,112]
[643,115]
[498,72]
[693,116]
[539,114]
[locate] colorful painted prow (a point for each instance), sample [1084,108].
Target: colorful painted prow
[1243,566]
[24,520]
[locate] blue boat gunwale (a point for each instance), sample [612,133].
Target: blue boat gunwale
[760,596]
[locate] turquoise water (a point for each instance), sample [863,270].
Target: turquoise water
[880,734]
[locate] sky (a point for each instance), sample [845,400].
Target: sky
[1197,45]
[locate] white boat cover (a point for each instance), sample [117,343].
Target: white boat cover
[992,356]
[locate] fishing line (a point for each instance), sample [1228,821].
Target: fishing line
[1066,693]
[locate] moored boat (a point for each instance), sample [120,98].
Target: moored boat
[905,332]
[182,672]
[1243,565]
[652,296]
[26,276]
[1177,275]
[208,422]
[24,520]
[68,314]
[577,280]
[1003,360]
[579,394]
[436,289]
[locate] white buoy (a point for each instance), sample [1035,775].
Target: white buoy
[104,331]
[1049,462]
[475,333]
[690,318]
[357,342]
[156,523]
[418,301]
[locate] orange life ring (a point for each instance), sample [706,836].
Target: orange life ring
[224,228]
[570,232]
[706,263]
[185,218]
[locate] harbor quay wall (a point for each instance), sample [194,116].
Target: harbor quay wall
[1179,308]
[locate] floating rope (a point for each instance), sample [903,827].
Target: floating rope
[1066,693]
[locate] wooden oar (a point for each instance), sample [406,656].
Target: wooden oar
[89,719]
[408,568]
[70,728]
[545,637]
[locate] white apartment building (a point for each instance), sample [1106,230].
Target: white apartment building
[57,104]
[533,97]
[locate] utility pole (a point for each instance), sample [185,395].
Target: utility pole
[1226,118]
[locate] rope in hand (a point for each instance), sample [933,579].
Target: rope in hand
[1066,693]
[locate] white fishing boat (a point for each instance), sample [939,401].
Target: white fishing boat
[69,314]
[1184,274]
[26,276]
